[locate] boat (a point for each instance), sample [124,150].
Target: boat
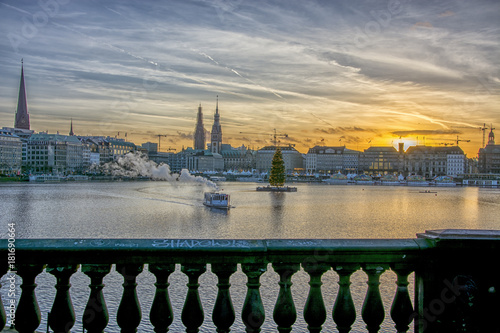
[217,200]
[270,188]
[46,178]
[444,181]
[218,178]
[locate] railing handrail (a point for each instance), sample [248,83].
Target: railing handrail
[141,251]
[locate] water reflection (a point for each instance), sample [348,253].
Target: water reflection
[21,203]
[277,211]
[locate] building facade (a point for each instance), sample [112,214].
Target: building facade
[239,158]
[434,161]
[324,159]
[489,156]
[11,153]
[293,159]
[54,153]
[381,160]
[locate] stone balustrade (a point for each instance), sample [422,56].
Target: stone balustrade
[456,287]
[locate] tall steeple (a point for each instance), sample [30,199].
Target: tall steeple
[216,135]
[199,133]
[71,133]
[22,115]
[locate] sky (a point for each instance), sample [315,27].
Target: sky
[357,73]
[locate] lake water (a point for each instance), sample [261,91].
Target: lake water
[165,210]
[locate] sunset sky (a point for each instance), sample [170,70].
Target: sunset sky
[357,73]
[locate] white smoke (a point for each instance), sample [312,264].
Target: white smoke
[138,165]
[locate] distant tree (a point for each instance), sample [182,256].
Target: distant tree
[277,176]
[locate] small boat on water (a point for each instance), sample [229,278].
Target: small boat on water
[217,200]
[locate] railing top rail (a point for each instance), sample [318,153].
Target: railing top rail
[401,251]
[216,250]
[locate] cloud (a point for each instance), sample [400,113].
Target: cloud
[422,24]
[447,13]
[425,132]
[339,130]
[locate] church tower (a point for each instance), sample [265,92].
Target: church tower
[491,136]
[216,142]
[22,115]
[199,132]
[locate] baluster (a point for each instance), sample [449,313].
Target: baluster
[253,314]
[96,317]
[284,310]
[28,313]
[223,314]
[314,310]
[402,309]
[344,312]
[3,317]
[192,313]
[129,311]
[161,315]
[62,314]
[373,309]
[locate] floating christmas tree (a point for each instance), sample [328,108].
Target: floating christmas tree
[277,177]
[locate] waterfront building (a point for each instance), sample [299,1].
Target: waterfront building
[22,120]
[11,150]
[98,149]
[24,135]
[239,158]
[381,160]
[199,132]
[216,134]
[430,161]
[325,159]
[205,160]
[120,147]
[54,153]
[489,156]
[351,160]
[293,159]
[179,161]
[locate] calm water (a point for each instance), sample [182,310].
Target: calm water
[162,210]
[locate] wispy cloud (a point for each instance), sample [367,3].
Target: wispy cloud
[341,70]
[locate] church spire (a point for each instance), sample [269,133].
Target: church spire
[199,133]
[216,142]
[22,115]
[71,133]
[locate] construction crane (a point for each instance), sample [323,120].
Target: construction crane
[484,129]
[458,140]
[150,134]
[275,136]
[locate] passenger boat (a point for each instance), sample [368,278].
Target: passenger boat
[217,200]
